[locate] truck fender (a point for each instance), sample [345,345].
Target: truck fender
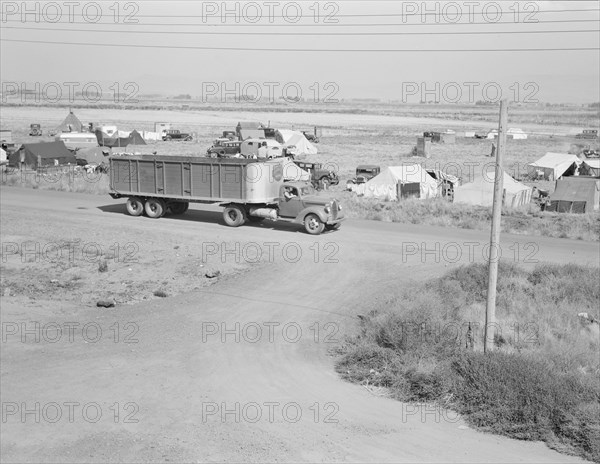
[311,209]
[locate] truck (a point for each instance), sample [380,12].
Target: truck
[175,134]
[249,190]
[320,177]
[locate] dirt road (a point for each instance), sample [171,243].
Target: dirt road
[241,370]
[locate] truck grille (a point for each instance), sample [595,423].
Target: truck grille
[334,209]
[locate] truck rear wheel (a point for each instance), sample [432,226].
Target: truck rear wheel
[135,207]
[234,216]
[155,208]
[179,207]
[313,224]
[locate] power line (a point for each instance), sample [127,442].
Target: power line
[312,50]
[303,33]
[338,15]
[286,25]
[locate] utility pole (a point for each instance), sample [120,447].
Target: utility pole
[494,253]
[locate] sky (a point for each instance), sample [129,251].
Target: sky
[322,51]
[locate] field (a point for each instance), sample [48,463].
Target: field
[369,134]
[380,316]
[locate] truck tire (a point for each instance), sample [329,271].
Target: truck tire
[155,208]
[179,207]
[313,224]
[234,216]
[135,206]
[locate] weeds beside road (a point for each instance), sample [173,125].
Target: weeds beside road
[542,383]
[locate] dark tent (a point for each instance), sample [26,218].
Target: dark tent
[105,140]
[136,139]
[576,194]
[70,124]
[37,155]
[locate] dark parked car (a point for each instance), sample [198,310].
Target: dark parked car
[35,130]
[364,173]
[589,134]
[319,177]
[223,148]
[174,134]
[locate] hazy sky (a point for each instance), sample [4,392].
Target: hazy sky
[317,63]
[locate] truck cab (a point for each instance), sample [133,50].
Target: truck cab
[298,201]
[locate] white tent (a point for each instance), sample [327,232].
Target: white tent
[292,172]
[481,192]
[151,136]
[551,166]
[395,181]
[297,139]
[3,158]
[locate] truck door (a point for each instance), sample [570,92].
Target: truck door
[290,207]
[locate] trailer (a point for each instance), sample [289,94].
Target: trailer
[249,190]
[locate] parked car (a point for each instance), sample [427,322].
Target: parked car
[35,130]
[224,148]
[589,134]
[175,134]
[320,178]
[364,173]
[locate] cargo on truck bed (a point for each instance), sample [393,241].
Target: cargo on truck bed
[249,190]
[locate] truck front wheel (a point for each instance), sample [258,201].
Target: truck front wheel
[155,208]
[233,216]
[135,207]
[313,224]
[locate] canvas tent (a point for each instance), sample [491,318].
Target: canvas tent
[292,172]
[95,155]
[119,138]
[552,166]
[577,194]
[590,167]
[481,192]
[37,155]
[250,130]
[398,182]
[70,124]
[301,145]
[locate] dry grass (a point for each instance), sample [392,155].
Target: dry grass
[543,382]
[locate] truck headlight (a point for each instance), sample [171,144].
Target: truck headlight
[339,207]
[328,209]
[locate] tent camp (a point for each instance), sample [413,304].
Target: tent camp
[70,124]
[481,192]
[3,159]
[552,166]
[119,138]
[577,194]
[37,155]
[298,143]
[398,182]
[291,172]
[590,167]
